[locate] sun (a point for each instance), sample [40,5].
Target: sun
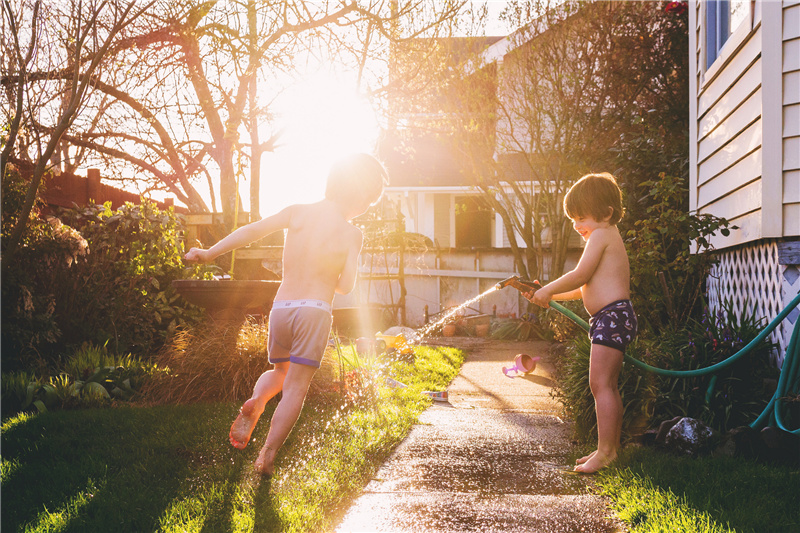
[321,118]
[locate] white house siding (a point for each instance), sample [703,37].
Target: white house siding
[790,69]
[728,147]
[745,158]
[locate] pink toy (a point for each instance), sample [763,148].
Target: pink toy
[523,364]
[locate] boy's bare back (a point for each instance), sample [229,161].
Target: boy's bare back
[320,253]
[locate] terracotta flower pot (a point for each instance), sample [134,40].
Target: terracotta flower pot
[449,330]
[482,330]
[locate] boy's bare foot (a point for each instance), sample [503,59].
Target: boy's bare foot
[595,462]
[243,426]
[264,463]
[585,458]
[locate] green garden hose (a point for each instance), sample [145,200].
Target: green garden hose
[788,383]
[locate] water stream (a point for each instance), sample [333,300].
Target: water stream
[432,326]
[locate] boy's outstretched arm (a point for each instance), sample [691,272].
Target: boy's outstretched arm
[243,236]
[347,279]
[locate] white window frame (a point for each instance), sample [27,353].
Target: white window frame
[724,50]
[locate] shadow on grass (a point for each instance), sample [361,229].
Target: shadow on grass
[744,496]
[266,519]
[125,469]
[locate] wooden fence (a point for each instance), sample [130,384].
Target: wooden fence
[65,190]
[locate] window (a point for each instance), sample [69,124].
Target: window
[473,223]
[723,17]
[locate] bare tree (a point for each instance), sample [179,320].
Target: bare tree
[552,105]
[91,31]
[185,94]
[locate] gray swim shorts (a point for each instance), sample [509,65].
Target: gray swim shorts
[299,331]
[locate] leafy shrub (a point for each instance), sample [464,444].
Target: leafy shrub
[637,389]
[92,275]
[670,257]
[123,291]
[739,394]
[561,327]
[50,292]
[47,250]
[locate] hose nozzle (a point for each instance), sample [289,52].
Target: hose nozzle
[506,282]
[518,283]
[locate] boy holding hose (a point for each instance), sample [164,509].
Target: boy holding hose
[602,280]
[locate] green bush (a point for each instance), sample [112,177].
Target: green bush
[122,293]
[91,275]
[739,393]
[669,251]
[28,301]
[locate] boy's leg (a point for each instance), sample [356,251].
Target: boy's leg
[295,387]
[268,385]
[605,364]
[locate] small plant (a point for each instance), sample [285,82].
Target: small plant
[358,376]
[738,394]
[90,377]
[519,329]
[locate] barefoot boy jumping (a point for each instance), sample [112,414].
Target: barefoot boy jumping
[319,258]
[602,279]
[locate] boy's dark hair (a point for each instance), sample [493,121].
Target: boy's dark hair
[592,195]
[356,176]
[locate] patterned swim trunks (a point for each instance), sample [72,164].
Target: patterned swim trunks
[614,326]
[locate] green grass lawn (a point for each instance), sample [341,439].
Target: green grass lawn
[170,468]
[655,492]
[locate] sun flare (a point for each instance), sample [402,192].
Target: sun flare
[321,119]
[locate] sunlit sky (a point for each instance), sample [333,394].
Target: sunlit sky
[321,118]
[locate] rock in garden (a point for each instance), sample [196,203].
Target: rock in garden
[663,429]
[740,442]
[690,437]
[781,446]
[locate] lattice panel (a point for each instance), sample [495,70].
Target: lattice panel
[750,277]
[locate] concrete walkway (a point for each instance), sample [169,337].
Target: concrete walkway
[496,457]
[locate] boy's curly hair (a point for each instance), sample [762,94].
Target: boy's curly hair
[593,195]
